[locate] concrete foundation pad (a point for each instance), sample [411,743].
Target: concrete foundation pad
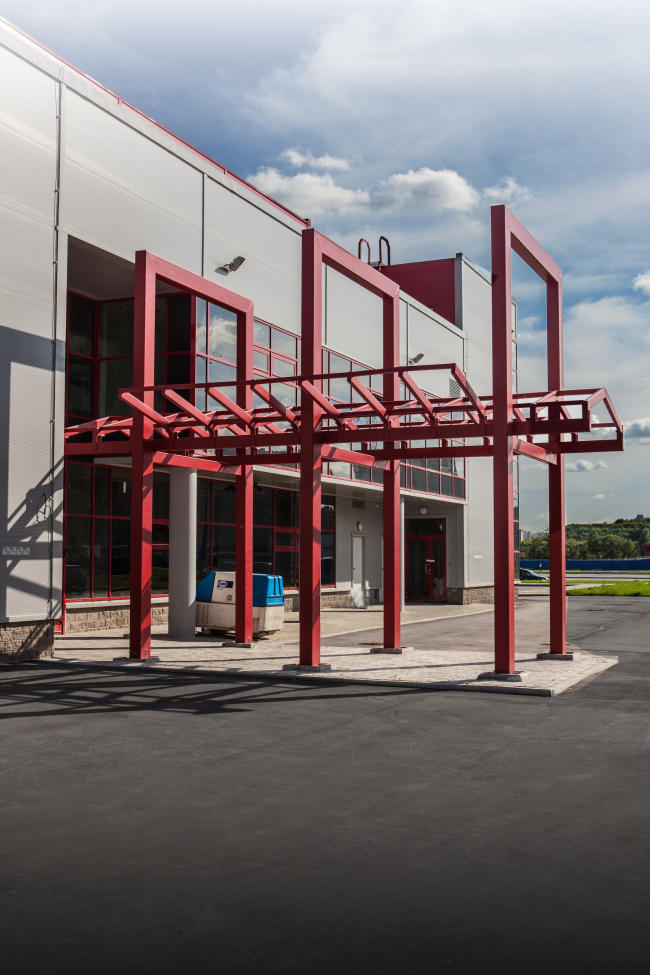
[569,655]
[445,657]
[308,668]
[137,660]
[515,678]
[390,649]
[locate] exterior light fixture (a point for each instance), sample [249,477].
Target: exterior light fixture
[416,358]
[233,265]
[359,526]
[423,509]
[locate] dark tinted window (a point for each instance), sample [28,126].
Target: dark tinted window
[179,317]
[223,502]
[121,493]
[424,526]
[262,506]
[116,328]
[285,509]
[79,489]
[161,496]
[80,386]
[327,508]
[81,326]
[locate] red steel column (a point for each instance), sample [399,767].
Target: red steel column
[244,493]
[393,554]
[142,459]
[556,500]
[310,452]
[504,572]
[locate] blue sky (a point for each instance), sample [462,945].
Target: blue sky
[410,118]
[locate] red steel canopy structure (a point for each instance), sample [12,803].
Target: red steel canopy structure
[379,427]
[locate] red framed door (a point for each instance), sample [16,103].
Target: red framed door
[425,561]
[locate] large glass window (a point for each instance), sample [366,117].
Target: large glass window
[444,477]
[276,538]
[98,532]
[100,352]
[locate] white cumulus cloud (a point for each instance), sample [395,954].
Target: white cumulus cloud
[638,429]
[581,465]
[309,194]
[443,188]
[315,195]
[598,497]
[642,282]
[298,159]
[508,191]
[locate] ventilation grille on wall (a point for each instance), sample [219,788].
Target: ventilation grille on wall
[358,503]
[454,389]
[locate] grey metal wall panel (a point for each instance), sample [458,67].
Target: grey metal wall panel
[271,273]
[477,323]
[354,320]
[124,192]
[438,343]
[28,143]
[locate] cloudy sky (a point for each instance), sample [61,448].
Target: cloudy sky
[410,119]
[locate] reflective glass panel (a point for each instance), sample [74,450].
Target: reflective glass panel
[262,334]
[201,326]
[284,344]
[261,360]
[222,333]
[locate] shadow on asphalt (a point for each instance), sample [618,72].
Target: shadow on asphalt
[165,823]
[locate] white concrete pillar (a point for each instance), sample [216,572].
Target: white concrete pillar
[182,553]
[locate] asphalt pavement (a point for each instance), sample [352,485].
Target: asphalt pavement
[159,823]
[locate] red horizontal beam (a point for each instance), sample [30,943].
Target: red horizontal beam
[353,457]
[534,451]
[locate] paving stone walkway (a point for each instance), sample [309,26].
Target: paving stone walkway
[444,664]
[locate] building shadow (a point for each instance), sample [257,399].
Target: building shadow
[35,690]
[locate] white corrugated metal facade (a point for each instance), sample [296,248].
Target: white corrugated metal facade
[82,171]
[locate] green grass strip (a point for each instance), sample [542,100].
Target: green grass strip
[639,588]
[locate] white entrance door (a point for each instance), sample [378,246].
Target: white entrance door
[358,571]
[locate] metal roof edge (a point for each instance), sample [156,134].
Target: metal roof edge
[121,102]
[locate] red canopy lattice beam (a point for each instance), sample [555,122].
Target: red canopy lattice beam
[380,425]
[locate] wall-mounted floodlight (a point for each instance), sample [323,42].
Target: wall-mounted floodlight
[233,265]
[416,359]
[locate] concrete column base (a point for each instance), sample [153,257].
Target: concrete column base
[390,649]
[308,668]
[516,678]
[569,655]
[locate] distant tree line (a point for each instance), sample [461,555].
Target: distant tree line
[621,540]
